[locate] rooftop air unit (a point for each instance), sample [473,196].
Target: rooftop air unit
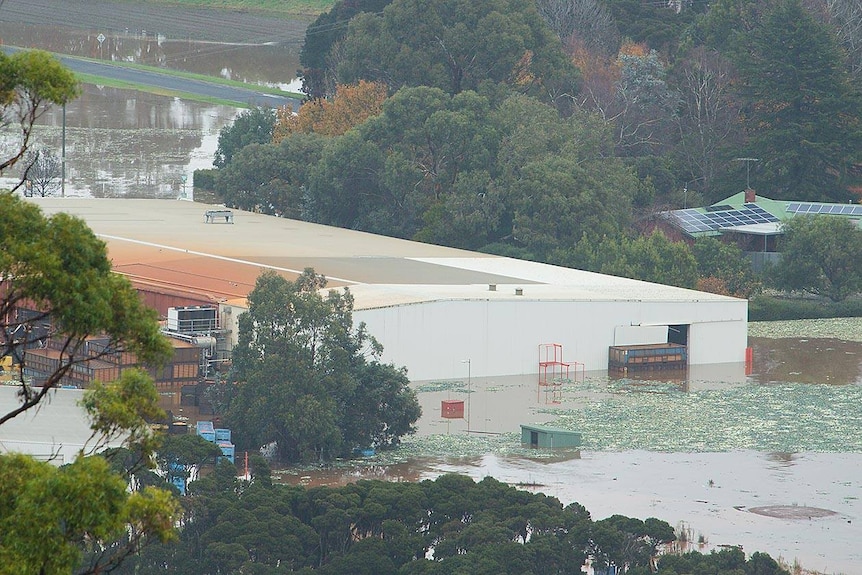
[195,319]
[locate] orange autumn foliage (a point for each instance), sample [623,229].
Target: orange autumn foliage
[633,49]
[599,74]
[350,106]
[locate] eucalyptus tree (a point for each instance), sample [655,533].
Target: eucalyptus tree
[708,118]
[393,174]
[457,45]
[307,380]
[253,126]
[31,82]
[270,178]
[57,284]
[584,23]
[319,53]
[820,255]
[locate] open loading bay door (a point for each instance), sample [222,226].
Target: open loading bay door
[643,348]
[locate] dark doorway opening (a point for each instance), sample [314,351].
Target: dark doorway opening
[678,334]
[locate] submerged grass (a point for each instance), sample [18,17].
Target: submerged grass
[627,414]
[623,414]
[787,417]
[844,328]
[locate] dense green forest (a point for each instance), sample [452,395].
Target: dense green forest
[559,131]
[448,526]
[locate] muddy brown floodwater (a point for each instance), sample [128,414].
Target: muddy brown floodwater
[771,461]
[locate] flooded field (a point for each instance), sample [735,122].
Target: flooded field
[771,461]
[260,58]
[122,143]
[125,143]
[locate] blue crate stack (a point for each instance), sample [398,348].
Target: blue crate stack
[220,437]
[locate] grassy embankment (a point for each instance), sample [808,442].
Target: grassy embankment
[91,79]
[280,8]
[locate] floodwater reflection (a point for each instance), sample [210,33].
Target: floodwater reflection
[125,143]
[815,360]
[122,143]
[255,60]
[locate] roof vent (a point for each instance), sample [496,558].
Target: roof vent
[519,291]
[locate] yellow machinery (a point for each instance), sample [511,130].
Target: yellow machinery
[9,371]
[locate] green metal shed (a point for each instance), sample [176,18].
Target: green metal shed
[551,437]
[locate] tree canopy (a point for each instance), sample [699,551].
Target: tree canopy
[253,126]
[821,255]
[520,129]
[58,285]
[456,45]
[321,36]
[803,111]
[304,378]
[446,526]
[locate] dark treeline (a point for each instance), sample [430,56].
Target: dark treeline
[448,526]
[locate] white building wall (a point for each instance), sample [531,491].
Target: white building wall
[503,337]
[54,431]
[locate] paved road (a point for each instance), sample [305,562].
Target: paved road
[241,96]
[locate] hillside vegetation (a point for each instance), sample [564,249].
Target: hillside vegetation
[562,131]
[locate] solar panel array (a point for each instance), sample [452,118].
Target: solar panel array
[694,221]
[833,209]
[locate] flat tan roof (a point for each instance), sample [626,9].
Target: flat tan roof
[170,243]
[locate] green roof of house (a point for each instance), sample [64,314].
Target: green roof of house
[762,217]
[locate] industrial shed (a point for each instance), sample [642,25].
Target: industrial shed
[433,308]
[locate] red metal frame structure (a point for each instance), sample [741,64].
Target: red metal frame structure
[552,369]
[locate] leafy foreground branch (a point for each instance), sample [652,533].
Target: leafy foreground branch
[59,299]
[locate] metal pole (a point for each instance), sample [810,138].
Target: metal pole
[469,365]
[63,158]
[747,169]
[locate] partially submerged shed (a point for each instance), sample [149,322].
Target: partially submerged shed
[549,437]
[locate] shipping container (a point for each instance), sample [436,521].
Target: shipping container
[647,357]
